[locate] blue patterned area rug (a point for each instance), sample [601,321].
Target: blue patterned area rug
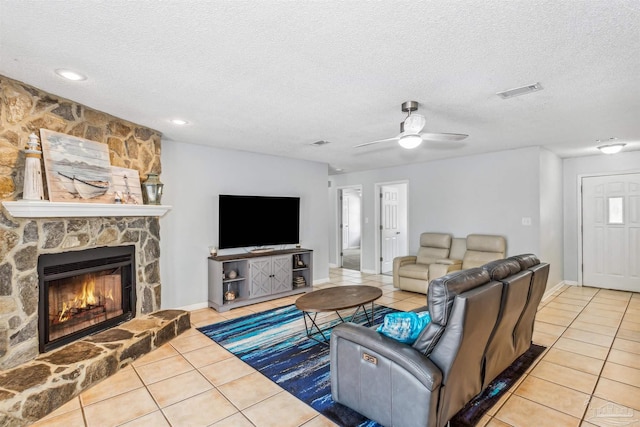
[274,342]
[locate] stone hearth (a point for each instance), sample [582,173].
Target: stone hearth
[36,388]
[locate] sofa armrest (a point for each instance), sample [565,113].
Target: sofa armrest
[384,380]
[399,262]
[412,361]
[438,270]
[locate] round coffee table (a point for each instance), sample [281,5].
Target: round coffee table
[335,299]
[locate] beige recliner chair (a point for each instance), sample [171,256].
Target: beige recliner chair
[474,251]
[411,273]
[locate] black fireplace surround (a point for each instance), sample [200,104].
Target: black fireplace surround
[102,278]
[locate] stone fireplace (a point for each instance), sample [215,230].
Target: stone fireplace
[84,292]
[24,238]
[33,383]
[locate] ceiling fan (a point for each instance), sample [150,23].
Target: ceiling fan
[410,136]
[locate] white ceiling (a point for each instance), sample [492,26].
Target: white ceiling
[274,76]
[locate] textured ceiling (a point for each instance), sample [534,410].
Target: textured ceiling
[274,76]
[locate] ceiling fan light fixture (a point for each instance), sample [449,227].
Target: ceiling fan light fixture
[410,141]
[414,123]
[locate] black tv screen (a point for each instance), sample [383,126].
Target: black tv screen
[246,221]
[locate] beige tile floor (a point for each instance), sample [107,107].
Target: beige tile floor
[589,375]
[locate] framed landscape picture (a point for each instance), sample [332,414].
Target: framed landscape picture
[77,170]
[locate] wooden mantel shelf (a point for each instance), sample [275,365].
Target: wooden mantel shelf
[46,209]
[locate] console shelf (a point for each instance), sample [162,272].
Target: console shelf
[243,279]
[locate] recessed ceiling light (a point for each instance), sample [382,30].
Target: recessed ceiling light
[611,148]
[179,122]
[70,75]
[522,90]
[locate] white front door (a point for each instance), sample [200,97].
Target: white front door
[611,231]
[389,227]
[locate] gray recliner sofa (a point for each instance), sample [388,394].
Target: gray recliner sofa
[482,320]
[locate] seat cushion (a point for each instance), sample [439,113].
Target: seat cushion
[414,271]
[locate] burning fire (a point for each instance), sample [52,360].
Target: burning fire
[86,299]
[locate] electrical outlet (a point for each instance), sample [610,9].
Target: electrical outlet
[526,221]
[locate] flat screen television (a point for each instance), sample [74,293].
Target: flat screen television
[247,221]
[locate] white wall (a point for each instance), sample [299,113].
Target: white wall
[194,176]
[551,216]
[488,194]
[584,166]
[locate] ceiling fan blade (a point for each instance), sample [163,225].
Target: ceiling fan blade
[443,136]
[396,138]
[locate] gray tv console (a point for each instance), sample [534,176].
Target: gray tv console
[242,279]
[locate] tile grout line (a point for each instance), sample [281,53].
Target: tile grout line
[586,409]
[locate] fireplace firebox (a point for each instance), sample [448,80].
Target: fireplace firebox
[84,292]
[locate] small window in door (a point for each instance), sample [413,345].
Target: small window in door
[615,210]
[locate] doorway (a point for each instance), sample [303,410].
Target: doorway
[610,207]
[393,224]
[350,227]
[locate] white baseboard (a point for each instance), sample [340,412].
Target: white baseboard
[333,265]
[369,271]
[550,292]
[320,281]
[193,307]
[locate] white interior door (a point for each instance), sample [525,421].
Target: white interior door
[389,227]
[611,231]
[353,201]
[345,220]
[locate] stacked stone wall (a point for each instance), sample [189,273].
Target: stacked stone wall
[23,110]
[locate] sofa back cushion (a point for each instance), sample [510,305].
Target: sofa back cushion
[501,268]
[501,349]
[433,246]
[526,260]
[524,328]
[440,297]
[460,351]
[483,248]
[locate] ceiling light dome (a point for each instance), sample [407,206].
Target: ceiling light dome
[410,141]
[611,148]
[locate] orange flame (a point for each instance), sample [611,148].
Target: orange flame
[84,299]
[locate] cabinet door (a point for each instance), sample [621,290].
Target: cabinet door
[281,270]
[260,277]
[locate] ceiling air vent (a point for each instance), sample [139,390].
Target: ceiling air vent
[319,143]
[523,90]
